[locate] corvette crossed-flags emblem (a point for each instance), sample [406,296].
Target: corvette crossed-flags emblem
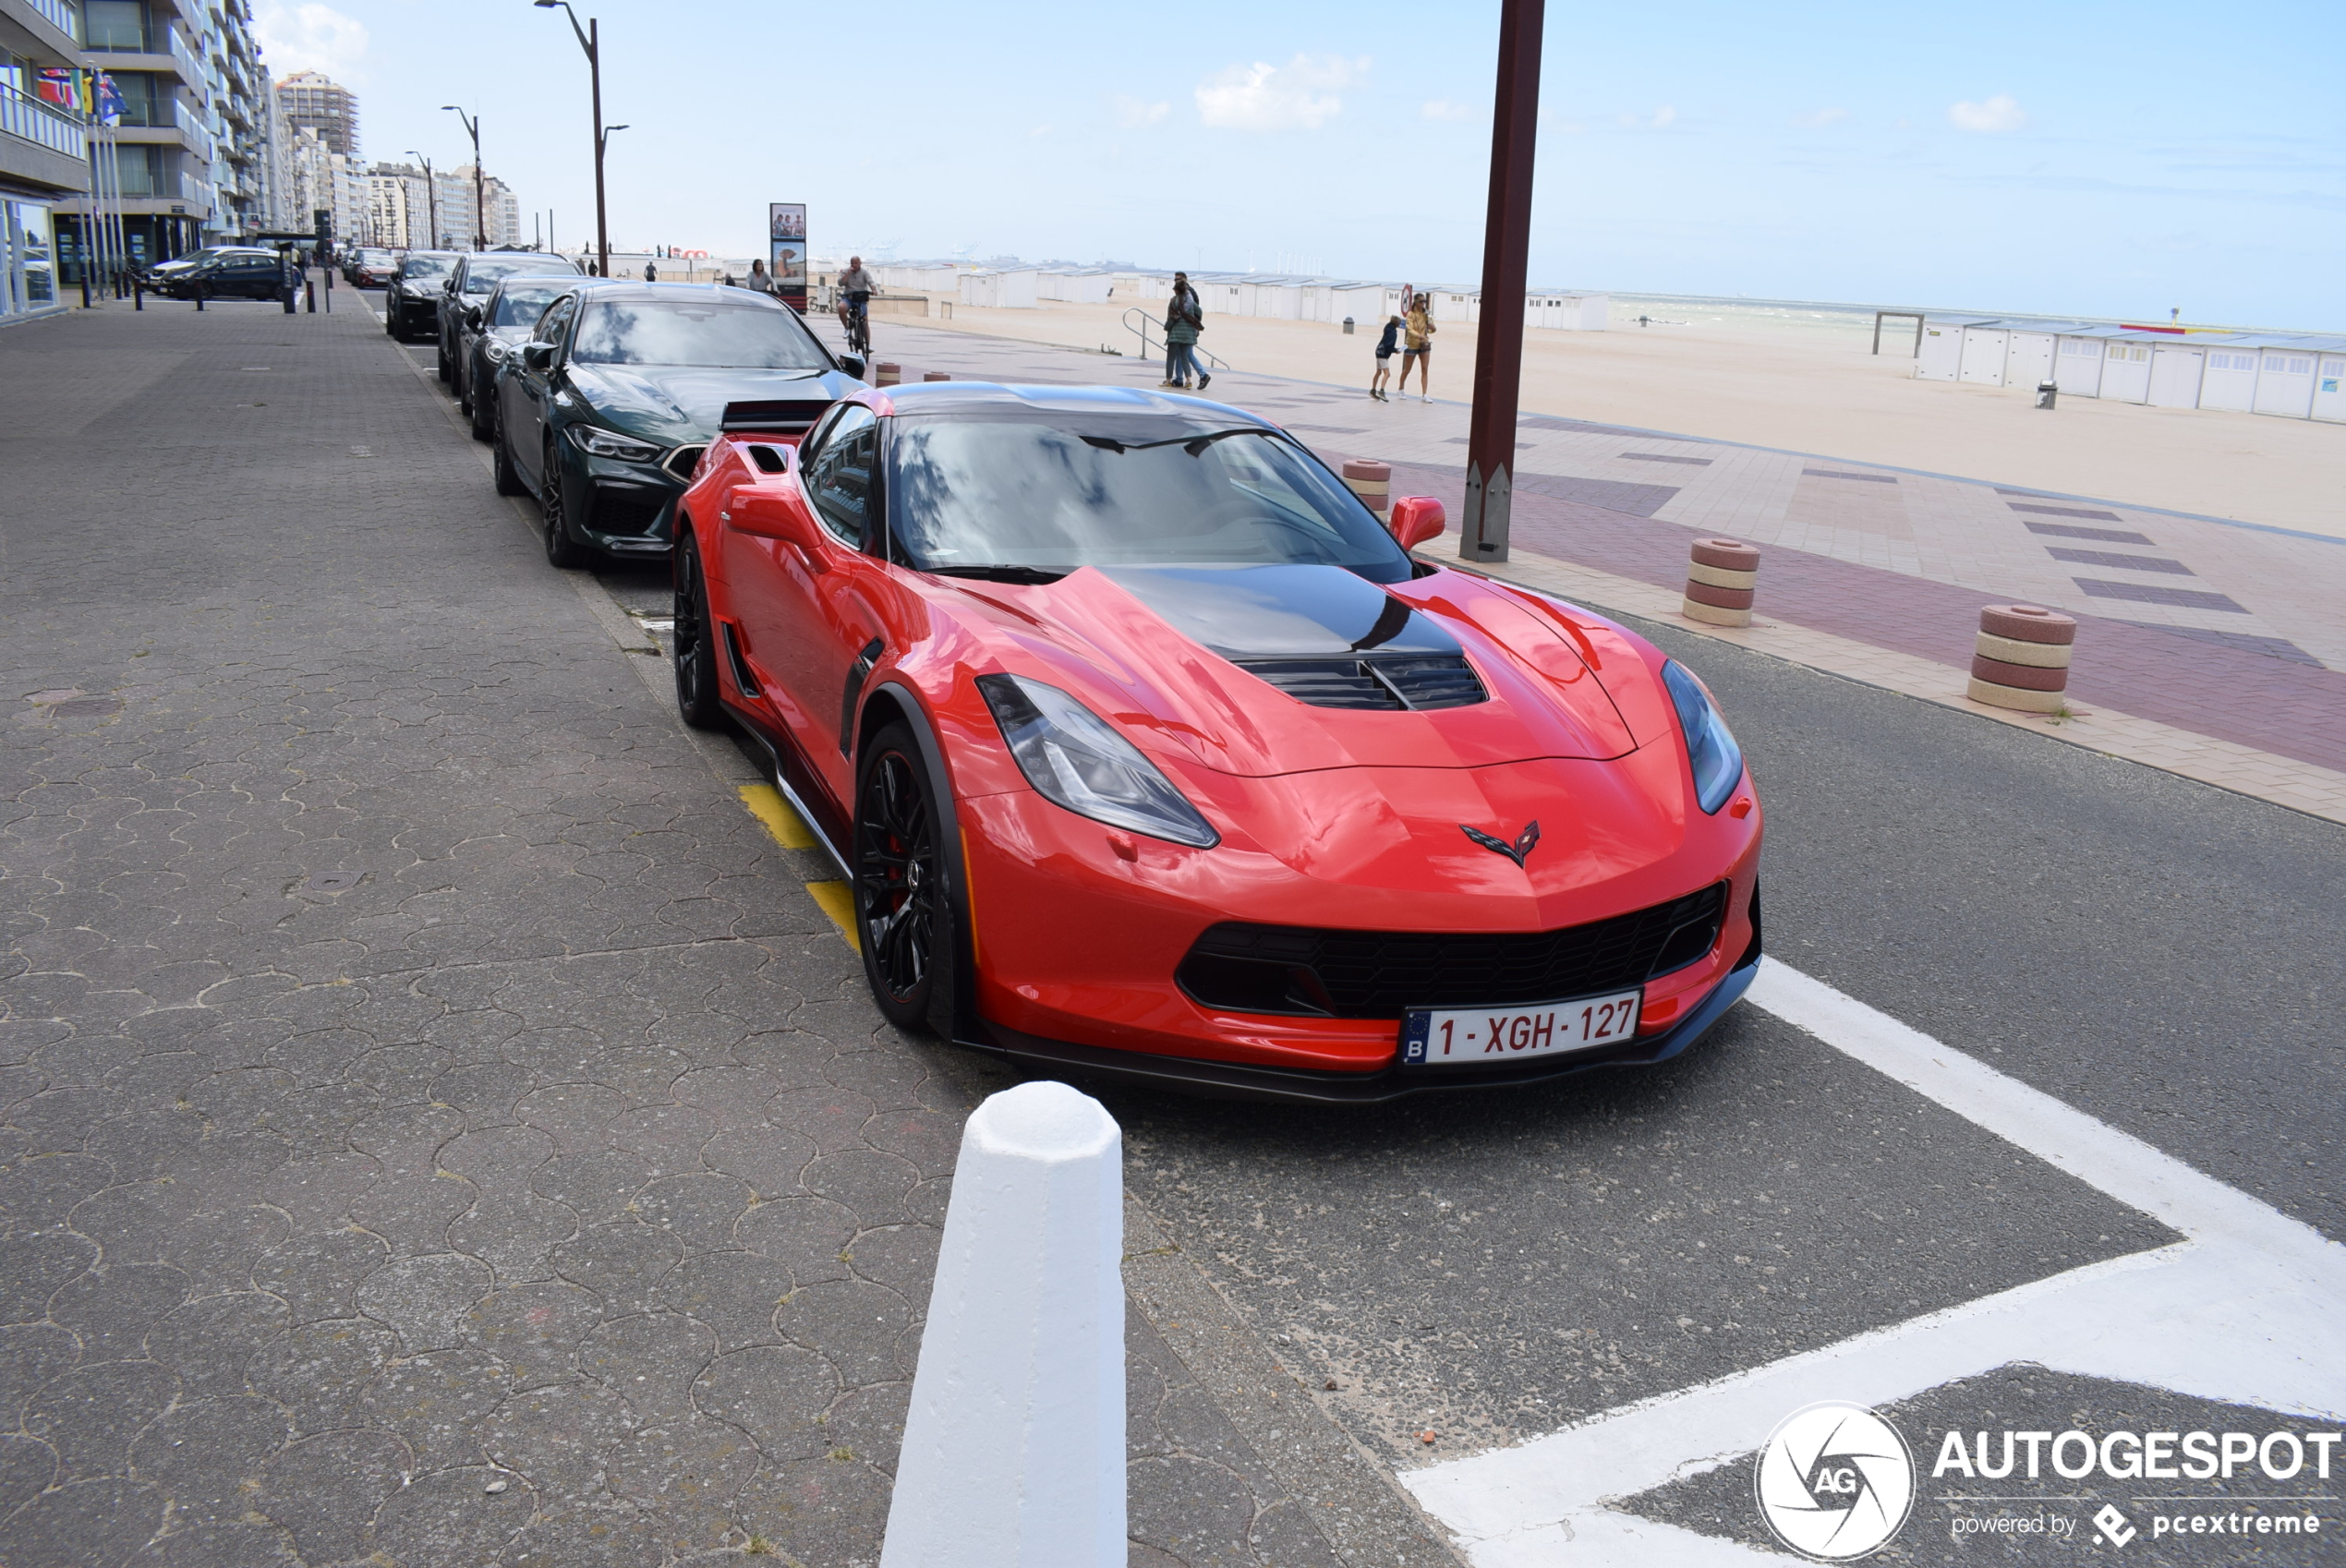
[1514,851]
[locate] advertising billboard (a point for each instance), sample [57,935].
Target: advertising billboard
[786,252]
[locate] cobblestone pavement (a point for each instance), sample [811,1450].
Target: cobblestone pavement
[438,1129]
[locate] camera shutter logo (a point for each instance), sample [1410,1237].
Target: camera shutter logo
[1836,1482]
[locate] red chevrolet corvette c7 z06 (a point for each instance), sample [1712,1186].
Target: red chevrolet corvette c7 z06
[1149,751]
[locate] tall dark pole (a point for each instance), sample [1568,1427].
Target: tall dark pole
[432,196]
[590,39]
[1507,246]
[480,201]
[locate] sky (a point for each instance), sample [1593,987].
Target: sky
[2048,158]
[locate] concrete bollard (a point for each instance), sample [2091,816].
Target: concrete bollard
[936,376]
[887,375]
[2021,658]
[1722,577]
[1372,482]
[1013,1452]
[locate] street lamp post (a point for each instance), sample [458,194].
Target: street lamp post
[480,201]
[1507,246]
[590,40]
[431,198]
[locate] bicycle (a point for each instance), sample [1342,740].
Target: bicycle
[855,314]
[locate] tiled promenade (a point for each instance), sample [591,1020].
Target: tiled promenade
[2206,647]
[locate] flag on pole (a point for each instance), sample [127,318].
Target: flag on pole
[110,107]
[56,85]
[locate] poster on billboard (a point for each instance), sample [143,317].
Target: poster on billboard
[786,256]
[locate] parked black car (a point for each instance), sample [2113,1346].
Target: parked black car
[170,278]
[369,267]
[491,331]
[240,272]
[469,286]
[411,303]
[605,409]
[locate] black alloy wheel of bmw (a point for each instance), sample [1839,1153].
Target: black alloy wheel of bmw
[561,550]
[477,408]
[694,636]
[901,919]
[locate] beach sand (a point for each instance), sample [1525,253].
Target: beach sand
[1811,391]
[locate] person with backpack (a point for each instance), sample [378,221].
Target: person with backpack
[1384,347]
[1184,319]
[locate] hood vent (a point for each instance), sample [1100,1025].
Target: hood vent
[782,417]
[1387,685]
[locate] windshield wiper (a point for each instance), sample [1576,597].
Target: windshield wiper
[1193,444]
[997,574]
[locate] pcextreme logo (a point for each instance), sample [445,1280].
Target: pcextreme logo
[1835,1483]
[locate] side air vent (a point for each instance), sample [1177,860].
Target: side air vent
[1388,684]
[768,459]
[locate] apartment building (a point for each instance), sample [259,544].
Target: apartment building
[44,150]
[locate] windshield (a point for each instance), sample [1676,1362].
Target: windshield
[522,304]
[692,332]
[427,266]
[1029,497]
[482,275]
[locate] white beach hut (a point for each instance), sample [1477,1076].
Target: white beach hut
[2077,365]
[1006,289]
[2285,381]
[2227,380]
[2330,385]
[2126,370]
[2176,372]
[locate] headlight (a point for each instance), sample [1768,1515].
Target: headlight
[1073,759]
[496,349]
[610,443]
[1718,761]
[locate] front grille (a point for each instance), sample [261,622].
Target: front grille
[1386,684]
[1378,974]
[627,511]
[683,461]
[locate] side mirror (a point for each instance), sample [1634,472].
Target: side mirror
[853,363]
[1417,519]
[539,355]
[472,317]
[448,288]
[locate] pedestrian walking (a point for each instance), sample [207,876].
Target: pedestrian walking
[1417,348]
[1385,347]
[1184,319]
[651,274]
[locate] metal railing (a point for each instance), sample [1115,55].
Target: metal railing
[1153,347]
[36,121]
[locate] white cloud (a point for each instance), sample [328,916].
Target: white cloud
[1299,94]
[1554,120]
[1661,119]
[1819,118]
[2002,113]
[1131,114]
[309,38]
[1444,109]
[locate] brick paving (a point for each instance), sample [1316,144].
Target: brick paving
[435,1126]
[1867,557]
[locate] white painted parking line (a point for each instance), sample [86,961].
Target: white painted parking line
[2243,1309]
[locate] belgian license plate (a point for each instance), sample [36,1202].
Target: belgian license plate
[1436,1037]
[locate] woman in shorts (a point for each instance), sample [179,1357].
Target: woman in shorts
[1417,348]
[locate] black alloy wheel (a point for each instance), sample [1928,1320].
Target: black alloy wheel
[562,550]
[447,366]
[903,922]
[501,461]
[695,660]
[476,408]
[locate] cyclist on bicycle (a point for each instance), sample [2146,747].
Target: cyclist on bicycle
[855,291]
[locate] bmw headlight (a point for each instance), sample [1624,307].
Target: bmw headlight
[1718,761]
[1074,759]
[611,443]
[496,349]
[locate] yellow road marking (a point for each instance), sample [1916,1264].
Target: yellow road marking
[765,803]
[837,900]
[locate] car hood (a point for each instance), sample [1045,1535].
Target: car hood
[686,402]
[1164,652]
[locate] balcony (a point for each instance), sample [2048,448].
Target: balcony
[64,17]
[36,121]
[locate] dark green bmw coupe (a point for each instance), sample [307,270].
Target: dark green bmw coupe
[604,411]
